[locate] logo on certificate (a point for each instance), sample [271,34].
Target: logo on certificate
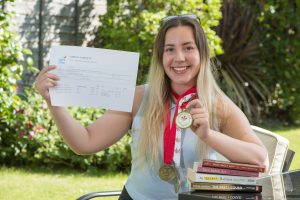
[62,60]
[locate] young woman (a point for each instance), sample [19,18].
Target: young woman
[179,118]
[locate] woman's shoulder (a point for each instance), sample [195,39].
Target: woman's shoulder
[228,112]
[225,109]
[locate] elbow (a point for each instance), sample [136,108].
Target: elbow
[84,145]
[85,150]
[79,152]
[263,160]
[82,151]
[266,163]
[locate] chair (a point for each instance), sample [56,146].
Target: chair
[100,194]
[277,147]
[288,160]
[280,158]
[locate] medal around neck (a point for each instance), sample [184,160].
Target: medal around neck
[184,119]
[167,172]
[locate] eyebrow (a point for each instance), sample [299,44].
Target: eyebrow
[186,43]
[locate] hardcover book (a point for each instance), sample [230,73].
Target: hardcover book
[212,170]
[232,165]
[225,187]
[217,178]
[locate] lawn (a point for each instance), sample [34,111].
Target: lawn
[16,183]
[33,184]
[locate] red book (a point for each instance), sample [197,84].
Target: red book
[233,172]
[232,165]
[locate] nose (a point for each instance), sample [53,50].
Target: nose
[179,56]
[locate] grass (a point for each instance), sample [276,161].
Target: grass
[33,184]
[38,183]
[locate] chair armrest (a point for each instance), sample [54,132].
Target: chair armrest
[100,194]
[277,147]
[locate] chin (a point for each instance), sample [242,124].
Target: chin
[184,83]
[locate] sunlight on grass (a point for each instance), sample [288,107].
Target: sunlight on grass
[27,184]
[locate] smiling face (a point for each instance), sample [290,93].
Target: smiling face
[181,59]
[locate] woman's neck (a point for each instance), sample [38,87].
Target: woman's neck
[180,89]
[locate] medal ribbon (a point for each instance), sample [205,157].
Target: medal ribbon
[185,101]
[171,130]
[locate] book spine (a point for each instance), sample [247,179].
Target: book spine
[225,187]
[236,166]
[196,196]
[212,170]
[215,178]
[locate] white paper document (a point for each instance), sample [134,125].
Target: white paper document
[93,77]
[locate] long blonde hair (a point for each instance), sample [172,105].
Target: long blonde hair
[159,92]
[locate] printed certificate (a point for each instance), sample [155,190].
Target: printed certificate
[93,77]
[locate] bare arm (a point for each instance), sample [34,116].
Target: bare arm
[102,133]
[99,135]
[237,142]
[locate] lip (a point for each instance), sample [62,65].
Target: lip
[180,69]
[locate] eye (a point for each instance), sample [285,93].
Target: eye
[169,49]
[189,48]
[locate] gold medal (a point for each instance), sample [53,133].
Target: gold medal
[167,172]
[184,119]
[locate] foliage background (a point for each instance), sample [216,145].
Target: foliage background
[11,71]
[30,138]
[256,46]
[134,24]
[279,57]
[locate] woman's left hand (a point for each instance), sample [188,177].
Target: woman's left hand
[200,117]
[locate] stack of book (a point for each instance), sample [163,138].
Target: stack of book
[213,175]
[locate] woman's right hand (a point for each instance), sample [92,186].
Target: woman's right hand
[44,81]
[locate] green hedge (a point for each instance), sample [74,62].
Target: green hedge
[33,139]
[27,132]
[279,26]
[10,70]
